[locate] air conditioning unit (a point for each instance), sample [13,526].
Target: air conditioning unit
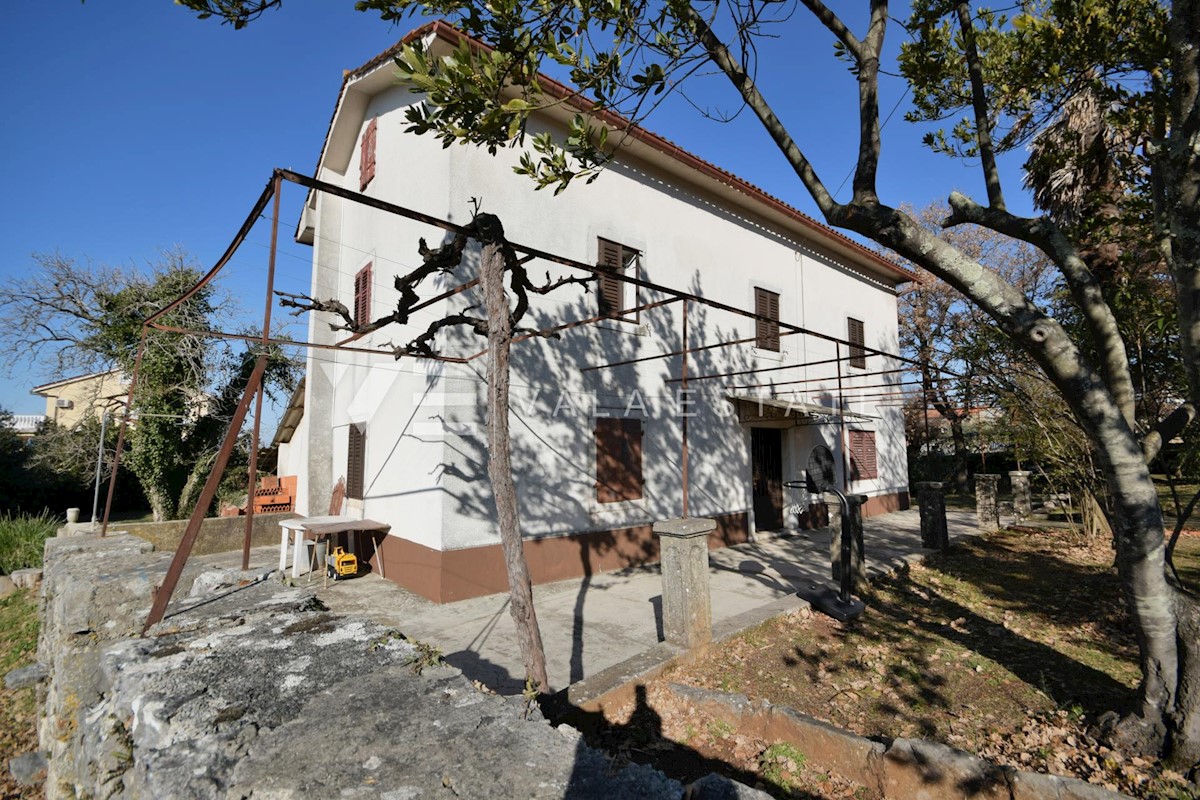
[63,402]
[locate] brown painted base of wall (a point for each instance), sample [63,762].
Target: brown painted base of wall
[445,576]
[448,575]
[886,504]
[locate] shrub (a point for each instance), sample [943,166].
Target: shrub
[23,538]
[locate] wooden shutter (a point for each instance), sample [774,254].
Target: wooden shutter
[863,462]
[356,461]
[618,460]
[362,296]
[766,304]
[857,337]
[366,154]
[610,292]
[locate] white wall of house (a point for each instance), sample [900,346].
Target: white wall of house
[426,447]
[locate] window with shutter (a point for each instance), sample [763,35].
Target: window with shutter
[766,333]
[362,295]
[615,259]
[366,155]
[863,465]
[356,461]
[618,459]
[857,337]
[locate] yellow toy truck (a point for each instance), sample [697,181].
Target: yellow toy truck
[340,564]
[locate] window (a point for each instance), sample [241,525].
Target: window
[857,338]
[766,333]
[366,154]
[615,259]
[356,461]
[362,296]
[862,456]
[618,459]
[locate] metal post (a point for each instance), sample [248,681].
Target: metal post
[684,389]
[258,399]
[163,596]
[841,404]
[99,467]
[925,411]
[116,462]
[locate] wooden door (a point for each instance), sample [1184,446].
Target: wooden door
[766,465]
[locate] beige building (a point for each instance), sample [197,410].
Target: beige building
[73,400]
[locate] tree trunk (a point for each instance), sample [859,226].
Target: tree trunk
[160,505]
[491,276]
[1185,722]
[960,476]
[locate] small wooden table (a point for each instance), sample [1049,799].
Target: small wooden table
[296,527]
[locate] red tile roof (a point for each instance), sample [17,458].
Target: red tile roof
[454,36]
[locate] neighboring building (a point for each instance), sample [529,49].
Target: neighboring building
[26,425]
[72,400]
[596,451]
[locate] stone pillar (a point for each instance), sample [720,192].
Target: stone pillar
[858,566]
[931,498]
[686,604]
[987,511]
[1022,498]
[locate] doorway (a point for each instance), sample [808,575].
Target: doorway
[766,466]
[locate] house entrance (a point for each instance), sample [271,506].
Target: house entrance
[766,466]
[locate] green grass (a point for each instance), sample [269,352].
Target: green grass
[781,764]
[18,630]
[18,707]
[23,538]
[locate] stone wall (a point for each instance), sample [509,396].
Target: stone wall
[250,689]
[217,534]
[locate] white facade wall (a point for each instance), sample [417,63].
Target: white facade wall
[426,447]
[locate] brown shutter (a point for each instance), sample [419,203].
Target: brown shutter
[870,464]
[610,291]
[362,296]
[356,461]
[863,464]
[632,484]
[618,460]
[766,333]
[857,337]
[366,154]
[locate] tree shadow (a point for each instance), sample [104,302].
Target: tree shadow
[641,740]
[913,687]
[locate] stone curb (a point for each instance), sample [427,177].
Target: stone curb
[905,769]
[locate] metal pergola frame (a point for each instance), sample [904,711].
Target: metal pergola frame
[254,388]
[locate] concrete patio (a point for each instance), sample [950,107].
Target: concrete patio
[595,622]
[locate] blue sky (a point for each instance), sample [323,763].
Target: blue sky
[131,127]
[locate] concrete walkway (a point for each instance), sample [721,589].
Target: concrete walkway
[592,623]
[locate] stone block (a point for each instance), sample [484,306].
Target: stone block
[24,677]
[28,769]
[858,561]
[918,770]
[687,603]
[718,787]
[987,511]
[7,586]
[931,499]
[27,578]
[1022,495]
[1036,786]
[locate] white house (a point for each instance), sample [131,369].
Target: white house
[596,426]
